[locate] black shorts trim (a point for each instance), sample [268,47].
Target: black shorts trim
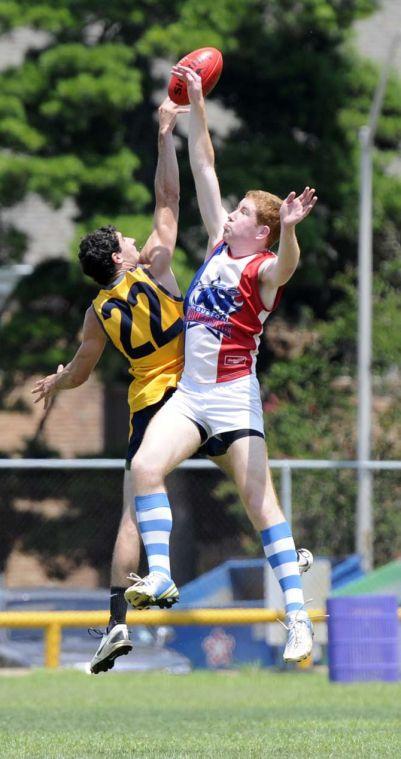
[139,422]
[218,445]
[200,428]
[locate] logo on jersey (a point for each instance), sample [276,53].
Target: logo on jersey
[234,360]
[211,305]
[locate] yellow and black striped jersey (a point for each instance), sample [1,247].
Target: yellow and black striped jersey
[145,323]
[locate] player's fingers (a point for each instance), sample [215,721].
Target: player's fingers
[307,198]
[311,202]
[171,107]
[308,208]
[291,197]
[167,113]
[178,69]
[304,193]
[185,71]
[48,397]
[184,76]
[192,77]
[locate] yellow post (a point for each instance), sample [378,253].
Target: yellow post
[52,645]
[54,621]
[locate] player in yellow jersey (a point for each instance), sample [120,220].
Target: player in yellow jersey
[139,308]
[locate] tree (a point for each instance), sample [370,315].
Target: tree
[76,117]
[76,120]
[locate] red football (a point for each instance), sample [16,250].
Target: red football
[208,63]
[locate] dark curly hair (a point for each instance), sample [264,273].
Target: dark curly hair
[95,251]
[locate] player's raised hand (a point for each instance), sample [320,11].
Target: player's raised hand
[295,208]
[45,388]
[168,112]
[193,81]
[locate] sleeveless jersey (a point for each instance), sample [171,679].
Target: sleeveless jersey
[145,323]
[224,316]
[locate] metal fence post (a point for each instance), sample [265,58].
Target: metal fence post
[52,645]
[364,513]
[286,492]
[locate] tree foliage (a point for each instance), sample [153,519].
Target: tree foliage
[43,303]
[76,116]
[77,120]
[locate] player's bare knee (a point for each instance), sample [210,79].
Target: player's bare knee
[259,507]
[145,472]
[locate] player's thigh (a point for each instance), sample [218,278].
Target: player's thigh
[223,462]
[169,439]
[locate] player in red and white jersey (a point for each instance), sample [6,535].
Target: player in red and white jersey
[217,401]
[223,304]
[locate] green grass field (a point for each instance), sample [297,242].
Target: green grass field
[251,713]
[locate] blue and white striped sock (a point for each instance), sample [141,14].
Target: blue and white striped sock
[154,518]
[279,548]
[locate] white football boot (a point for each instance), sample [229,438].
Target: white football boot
[300,636]
[304,559]
[156,589]
[113,644]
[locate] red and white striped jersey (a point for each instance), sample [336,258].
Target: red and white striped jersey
[224,316]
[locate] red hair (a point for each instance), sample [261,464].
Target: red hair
[267,212]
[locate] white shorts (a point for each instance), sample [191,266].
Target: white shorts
[220,407]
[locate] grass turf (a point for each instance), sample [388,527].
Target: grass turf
[250,713]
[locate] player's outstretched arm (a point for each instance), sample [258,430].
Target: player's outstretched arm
[159,248]
[293,210]
[79,369]
[201,156]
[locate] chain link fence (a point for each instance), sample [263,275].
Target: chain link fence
[60,518]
